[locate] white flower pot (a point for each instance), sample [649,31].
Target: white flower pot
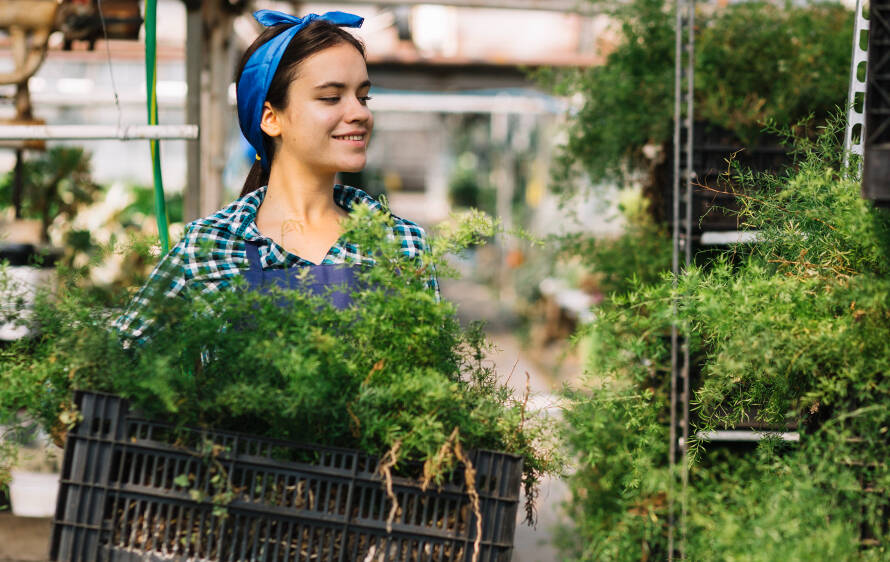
[21,282]
[33,494]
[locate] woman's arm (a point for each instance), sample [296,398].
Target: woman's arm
[165,281]
[432,282]
[413,242]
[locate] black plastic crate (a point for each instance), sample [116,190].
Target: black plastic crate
[713,149]
[119,499]
[876,173]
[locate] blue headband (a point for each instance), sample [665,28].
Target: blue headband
[253,86]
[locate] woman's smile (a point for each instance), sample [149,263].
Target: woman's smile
[353,139]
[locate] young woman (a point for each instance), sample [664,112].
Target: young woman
[302,90]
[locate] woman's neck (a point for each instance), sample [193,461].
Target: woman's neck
[297,193]
[299,213]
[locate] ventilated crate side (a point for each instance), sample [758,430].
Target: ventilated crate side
[320,503]
[178,532]
[713,150]
[83,494]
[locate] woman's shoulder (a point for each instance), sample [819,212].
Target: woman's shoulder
[232,221]
[411,235]
[347,196]
[224,230]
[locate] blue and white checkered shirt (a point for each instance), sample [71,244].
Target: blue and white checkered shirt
[212,253]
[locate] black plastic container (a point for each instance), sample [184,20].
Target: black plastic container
[119,498]
[876,173]
[19,255]
[715,207]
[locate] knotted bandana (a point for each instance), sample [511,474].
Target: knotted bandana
[260,68]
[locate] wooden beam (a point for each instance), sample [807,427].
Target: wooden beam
[193,65]
[216,113]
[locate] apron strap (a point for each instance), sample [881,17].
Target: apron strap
[253,257]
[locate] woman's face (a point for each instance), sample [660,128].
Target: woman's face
[326,125]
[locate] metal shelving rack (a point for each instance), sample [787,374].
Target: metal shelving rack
[853,139]
[872,141]
[876,133]
[683,176]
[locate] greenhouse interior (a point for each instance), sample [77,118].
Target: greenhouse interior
[584,280]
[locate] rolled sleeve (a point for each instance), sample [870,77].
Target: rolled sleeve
[166,280]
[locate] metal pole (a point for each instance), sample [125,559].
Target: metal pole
[216,112]
[675,265]
[684,73]
[18,183]
[856,117]
[504,179]
[689,176]
[96,132]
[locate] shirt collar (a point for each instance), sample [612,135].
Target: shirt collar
[239,217]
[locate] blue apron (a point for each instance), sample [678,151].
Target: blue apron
[319,280]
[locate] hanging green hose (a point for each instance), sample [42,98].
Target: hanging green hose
[151,68]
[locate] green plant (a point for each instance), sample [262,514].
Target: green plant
[754,61]
[143,206]
[395,375]
[465,190]
[779,504]
[57,183]
[810,333]
[760,61]
[59,190]
[791,329]
[639,255]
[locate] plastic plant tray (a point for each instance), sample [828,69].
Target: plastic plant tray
[136,489]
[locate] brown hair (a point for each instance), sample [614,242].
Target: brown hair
[315,37]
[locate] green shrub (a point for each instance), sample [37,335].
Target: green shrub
[618,492]
[394,374]
[776,505]
[466,190]
[792,329]
[755,61]
[57,183]
[639,255]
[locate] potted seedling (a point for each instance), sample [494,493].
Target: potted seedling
[34,482]
[39,192]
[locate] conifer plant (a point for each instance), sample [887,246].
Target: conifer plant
[790,333]
[395,375]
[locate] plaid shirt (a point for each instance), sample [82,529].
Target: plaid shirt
[212,253]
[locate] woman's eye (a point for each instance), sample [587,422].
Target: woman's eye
[336,99]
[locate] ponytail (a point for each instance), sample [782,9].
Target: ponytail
[256,178]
